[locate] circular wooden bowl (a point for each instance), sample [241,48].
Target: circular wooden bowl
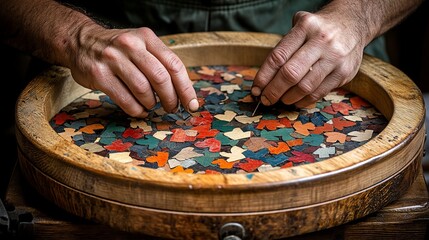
[273,204]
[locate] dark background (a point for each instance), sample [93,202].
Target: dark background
[408,47]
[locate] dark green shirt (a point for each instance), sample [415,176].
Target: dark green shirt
[178,16]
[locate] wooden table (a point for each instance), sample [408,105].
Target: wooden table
[406,218]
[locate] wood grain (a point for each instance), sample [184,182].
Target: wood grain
[401,219]
[197,225]
[326,187]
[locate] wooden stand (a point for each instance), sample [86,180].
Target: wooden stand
[406,218]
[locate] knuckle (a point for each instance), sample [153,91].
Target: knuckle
[161,77]
[98,76]
[340,51]
[143,89]
[278,57]
[146,31]
[307,20]
[299,14]
[125,40]
[342,73]
[305,88]
[94,70]
[290,73]
[174,65]
[109,53]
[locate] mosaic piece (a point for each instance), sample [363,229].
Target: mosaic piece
[223,136]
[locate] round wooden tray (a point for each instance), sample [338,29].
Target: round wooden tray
[273,204]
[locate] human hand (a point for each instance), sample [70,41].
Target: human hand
[130,66]
[322,51]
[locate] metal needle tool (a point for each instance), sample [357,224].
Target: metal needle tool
[180,111]
[256,108]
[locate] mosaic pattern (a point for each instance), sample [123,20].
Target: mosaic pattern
[223,136]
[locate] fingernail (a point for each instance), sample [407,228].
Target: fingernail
[256,91]
[193,105]
[265,101]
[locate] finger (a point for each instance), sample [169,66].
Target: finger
[177,71]
[136,82]
[154,71]
[291,73]
[180,79]
[160,81]
[121,96]
[342,74]
[309,83]
[329,83]
[281,53]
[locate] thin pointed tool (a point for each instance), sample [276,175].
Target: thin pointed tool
[180,110]
[256,108]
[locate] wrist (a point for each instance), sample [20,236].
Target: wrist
[360,26]
[75,39]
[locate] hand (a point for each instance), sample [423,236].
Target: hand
[321,52]
[130,66]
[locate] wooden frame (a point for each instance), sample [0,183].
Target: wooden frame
[272,204]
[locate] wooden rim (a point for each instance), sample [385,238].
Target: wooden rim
[388,89]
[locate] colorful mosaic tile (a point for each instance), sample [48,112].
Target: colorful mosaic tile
[223,136]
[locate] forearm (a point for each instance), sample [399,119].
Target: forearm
[374,17]
[43,28]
